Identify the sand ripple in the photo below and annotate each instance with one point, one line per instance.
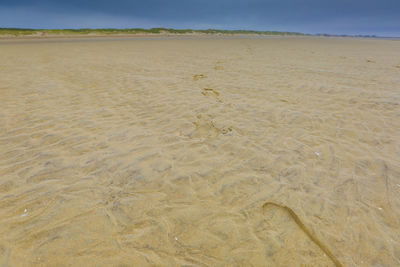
(270, 152)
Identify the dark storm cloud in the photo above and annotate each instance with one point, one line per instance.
(341, 16)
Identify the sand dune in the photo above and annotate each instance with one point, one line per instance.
(224, 152)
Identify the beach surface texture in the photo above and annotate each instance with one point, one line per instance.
(200, 152)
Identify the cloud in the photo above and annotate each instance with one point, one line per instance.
(28, 17)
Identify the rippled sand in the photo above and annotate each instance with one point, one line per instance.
(225, 152)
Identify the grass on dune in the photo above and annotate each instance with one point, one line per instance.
(109, 31)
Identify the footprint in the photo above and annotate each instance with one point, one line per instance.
(218, 65)
(249, 50)
(211, 92)
(205, 127)
(197, 77)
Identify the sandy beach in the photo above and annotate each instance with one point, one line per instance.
(200, 152)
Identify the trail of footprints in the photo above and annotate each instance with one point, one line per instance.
(206, 127)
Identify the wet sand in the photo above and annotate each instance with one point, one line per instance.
(208, 152)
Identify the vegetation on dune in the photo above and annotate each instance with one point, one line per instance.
(22, 32)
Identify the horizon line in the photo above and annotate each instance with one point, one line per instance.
(186, 30)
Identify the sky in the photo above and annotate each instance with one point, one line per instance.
(367, 17)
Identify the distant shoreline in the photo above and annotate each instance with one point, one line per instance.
(18, 33)
(72, 33)
(144, 37)
(88, 38)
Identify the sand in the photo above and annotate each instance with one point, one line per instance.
(207, 152)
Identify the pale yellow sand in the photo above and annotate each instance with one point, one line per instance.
(226, 152)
